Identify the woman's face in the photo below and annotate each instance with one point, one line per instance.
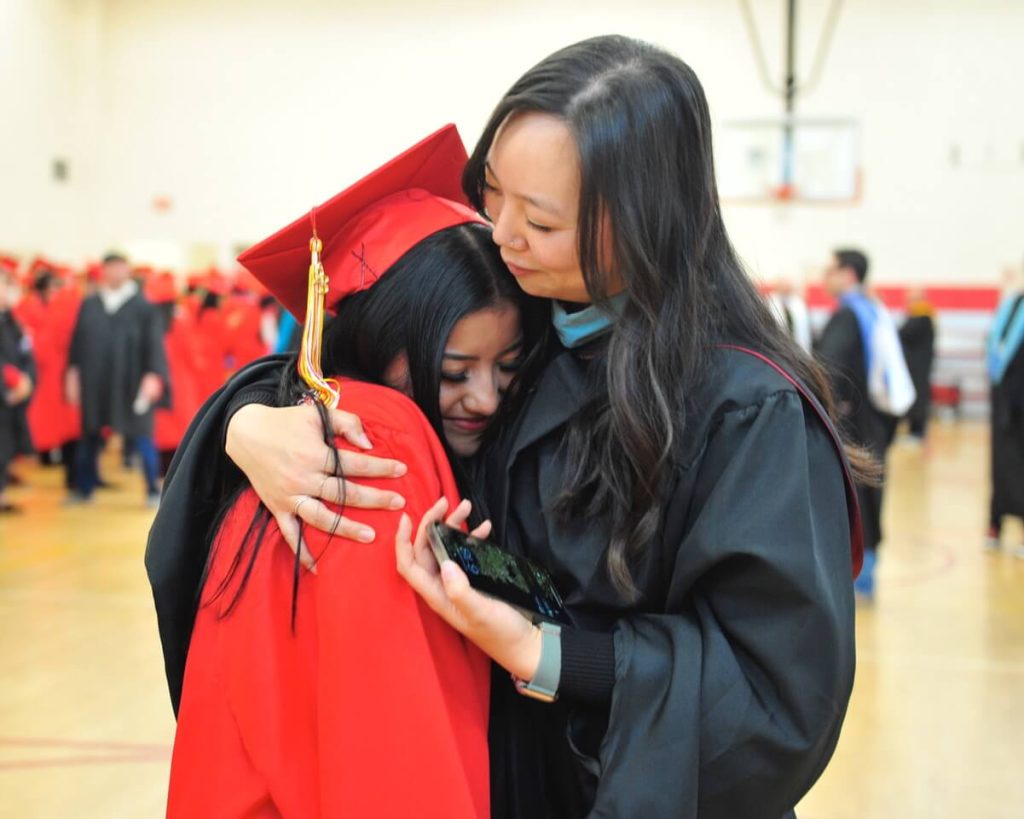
(531, 193)
(481, 357)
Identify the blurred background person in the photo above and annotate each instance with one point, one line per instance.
(1006, 373)
(117, 373)
(185, 362)
(917, 336)
(848, 347)
(48, 313)
(17, 376)
(789, 303)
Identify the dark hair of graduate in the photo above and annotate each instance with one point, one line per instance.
(642, 129)
(855, 260)
(412, 310)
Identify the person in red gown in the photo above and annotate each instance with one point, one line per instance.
(185, 353)
(340, 693)
(48, 312)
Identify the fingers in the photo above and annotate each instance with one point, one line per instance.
(356, 465)
(340, 491)
(456, 584)
(289, 526)
(433, 514)
(460, 514)
(350, 428)
(473, 609)
(483, 531)
(403, 545)
(320, 517)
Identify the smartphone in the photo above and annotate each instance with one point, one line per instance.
(500, 574)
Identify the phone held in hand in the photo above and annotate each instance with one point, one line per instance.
(500, 574)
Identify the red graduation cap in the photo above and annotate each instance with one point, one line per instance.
(369, 226)
(9, 264)
(162, 289)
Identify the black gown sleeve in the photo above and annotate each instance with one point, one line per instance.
(588, 667)
(729, 704)
(199, 480)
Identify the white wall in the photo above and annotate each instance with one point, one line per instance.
(245, 112)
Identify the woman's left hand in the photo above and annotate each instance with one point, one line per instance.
(499, 630)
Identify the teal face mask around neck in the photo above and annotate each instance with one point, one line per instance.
(576, 329)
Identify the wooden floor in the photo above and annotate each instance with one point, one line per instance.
(936, 727)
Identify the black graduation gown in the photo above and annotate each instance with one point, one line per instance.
(917, 336)
(734, 672)
(112, 352)
(14, 350)
(198, 480)
(1008, 436)
(841, 350)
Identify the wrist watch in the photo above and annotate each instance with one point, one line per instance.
(544, 685)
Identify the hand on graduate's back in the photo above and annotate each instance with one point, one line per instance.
(281, 451)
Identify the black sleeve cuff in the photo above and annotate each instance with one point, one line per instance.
(588, 667)
(250, 395)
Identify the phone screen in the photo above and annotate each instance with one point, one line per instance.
(501, 574)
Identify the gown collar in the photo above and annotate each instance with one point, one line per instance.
(579, 328)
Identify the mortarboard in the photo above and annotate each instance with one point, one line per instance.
(9, 264)
(344, 245)
(369, 226)
(161, 288)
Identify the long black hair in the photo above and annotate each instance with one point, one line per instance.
(642, 129)
(411, 309)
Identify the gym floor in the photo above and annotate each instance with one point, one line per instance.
(935, 728)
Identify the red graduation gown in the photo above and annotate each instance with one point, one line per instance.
(374, 707)
(52, 421)
(242, 319)
(185, 355)
(212, 331)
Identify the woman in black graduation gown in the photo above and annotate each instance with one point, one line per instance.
(673, 467)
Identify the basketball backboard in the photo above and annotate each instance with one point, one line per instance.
(799, 160)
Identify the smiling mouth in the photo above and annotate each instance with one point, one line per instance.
(469, 425)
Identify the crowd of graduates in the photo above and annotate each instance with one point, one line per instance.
(211, 323)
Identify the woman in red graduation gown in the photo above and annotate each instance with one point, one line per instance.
(340, 693)
(185, 354)
(48, 313)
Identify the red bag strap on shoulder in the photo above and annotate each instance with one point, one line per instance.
(852, 505)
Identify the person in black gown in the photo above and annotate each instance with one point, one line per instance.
(117, 372)
(917, 336)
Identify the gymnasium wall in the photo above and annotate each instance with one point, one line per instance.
(191, 127)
